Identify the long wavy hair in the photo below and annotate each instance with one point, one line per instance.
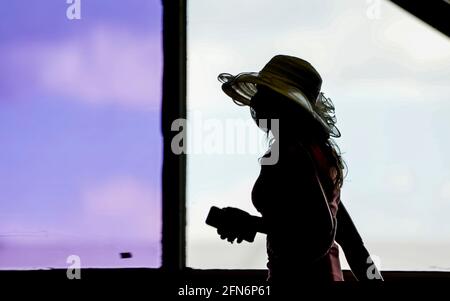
(267, 104)
(334, 156)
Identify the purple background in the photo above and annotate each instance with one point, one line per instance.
(80, 142)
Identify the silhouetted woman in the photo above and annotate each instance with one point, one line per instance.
(298, 189)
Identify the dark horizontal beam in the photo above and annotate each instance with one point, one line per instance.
(158, 276)
(436, 13)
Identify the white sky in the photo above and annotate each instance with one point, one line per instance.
(388, 78)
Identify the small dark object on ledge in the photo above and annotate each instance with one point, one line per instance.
(125, 255)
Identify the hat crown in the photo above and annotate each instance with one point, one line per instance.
(295, 72)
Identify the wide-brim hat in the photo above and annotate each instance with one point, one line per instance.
(290, 76)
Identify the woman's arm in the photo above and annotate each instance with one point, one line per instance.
(357, 256)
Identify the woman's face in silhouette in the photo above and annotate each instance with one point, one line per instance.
(262, 105)
(267, 104)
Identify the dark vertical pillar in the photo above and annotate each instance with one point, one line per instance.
(173, 107)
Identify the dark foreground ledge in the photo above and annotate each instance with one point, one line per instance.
(222, 283)
(198, 275)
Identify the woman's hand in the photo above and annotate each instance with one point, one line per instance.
(237, 225)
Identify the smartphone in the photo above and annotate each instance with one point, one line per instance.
(217, 218)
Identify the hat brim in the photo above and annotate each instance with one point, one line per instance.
(242, 87)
